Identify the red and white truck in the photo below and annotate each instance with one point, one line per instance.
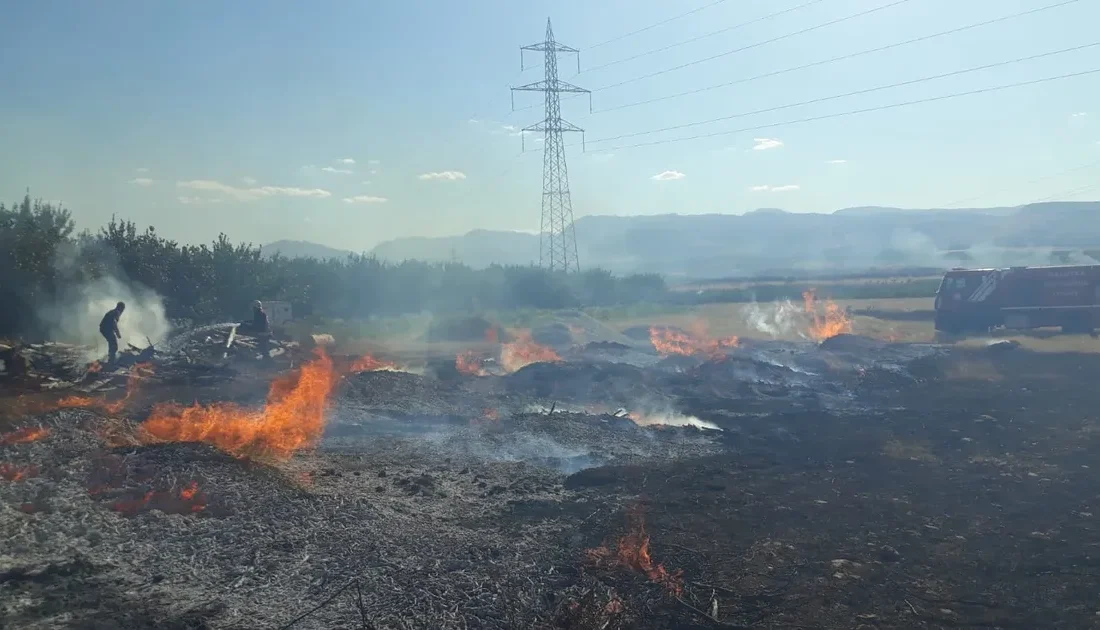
(975, 300)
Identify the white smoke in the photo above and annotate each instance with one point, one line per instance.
(778, 319)
(75, 317)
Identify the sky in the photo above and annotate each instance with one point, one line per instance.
(351, 122)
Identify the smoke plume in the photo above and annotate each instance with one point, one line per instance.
(778, 319)
(75, 317)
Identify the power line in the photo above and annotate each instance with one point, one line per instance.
(756, 45)
(695, 39)
(1044, 178)
(854, 93)
(1065, 193)
(822, 62)
(854, 112)
(661, 23)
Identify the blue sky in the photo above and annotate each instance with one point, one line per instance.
(351, 122)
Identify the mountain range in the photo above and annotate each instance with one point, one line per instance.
(770, 240)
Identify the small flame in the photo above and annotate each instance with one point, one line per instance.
(13, 473)
(470, 363)
(632, 552)
(368, 363)
(189, 501)
(137, 372)
(24, 435)
(834, 321)
(491, 335)
(668, 342)
(523, 351)
(491, 414)
(292, 419)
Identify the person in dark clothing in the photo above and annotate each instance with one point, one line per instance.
(108, 327)
(259, 318)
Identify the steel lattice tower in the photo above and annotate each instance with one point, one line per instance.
(558, 238)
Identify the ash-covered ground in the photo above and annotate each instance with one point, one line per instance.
(848, 484)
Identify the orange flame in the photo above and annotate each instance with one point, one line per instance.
(491, 335)
(368, 363)
(11, 472)
(293, 417)
(834, 321)
(633, 553)
(22, 436)
(669, 342)
(470, 363)
(137, 372)
(190, 501)
(524, 351)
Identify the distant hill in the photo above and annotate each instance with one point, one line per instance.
(773, 241)
(302, 249)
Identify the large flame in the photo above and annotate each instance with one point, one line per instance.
(669, 342)
(523, 351)
(24, 435)
(292, 419)
(632, 552)
(470, 363)
(830, 323)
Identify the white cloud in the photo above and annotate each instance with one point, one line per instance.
(365, 199)
(1079, 114)
(374, 162)
(373, 171)
(450, 176)
(331, 169)
(142, 169)
(251, 181)
(141, 181)
(348, 161)
(767, 188)
(763, 144)
(366, 182)
(195, 201)
(836, 161)
(668, 176)
(253, 193)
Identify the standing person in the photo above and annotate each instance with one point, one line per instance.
(108, 327)
(259, 318)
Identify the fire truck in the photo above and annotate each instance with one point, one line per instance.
(977, 300)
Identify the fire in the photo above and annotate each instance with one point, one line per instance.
(189, 501)
(834, 321)
(633, 553)
(470, 363)
(11, 472)
(524, 351)
(22, 436)
(293, 417)
(491, 335)
(669, 342)
(137, 372)
(368, 363)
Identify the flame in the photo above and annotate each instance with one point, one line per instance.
(633, 553)
(189, 501)
(669, 342)
(491, 414)
(22, 436)
(470, 363)
(368, 363)
(491, 335)
(293, 417)
(11, 472)
(137, 372)
(524, 351)
(834, 321)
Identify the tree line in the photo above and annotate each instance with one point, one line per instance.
(42, 256)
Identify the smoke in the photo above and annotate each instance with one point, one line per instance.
(778, 319)
(74, 314)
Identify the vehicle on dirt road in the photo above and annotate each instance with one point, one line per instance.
(978, 300)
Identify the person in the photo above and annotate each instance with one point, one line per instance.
(108, 327)
(259, 323)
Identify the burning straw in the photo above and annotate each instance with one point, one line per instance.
(632, 552)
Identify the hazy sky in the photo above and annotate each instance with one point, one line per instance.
(351, 122)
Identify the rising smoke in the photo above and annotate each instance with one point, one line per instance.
(74, 315)
(780, 319)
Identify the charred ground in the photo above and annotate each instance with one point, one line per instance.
(853, 484)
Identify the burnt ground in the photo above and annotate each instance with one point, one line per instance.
(853, 485)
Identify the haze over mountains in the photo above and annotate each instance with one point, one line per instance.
(773, 241)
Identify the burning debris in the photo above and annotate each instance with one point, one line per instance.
(523, 351)
(370, 363)
(136, 375)
(632, 552)
(292, 419)
(11, 472)
(24, 435)
(827, 322)
(188, 500)
(670, 342)
(669, 419)
(471, 364)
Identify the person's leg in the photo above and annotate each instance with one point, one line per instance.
(112, 348)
